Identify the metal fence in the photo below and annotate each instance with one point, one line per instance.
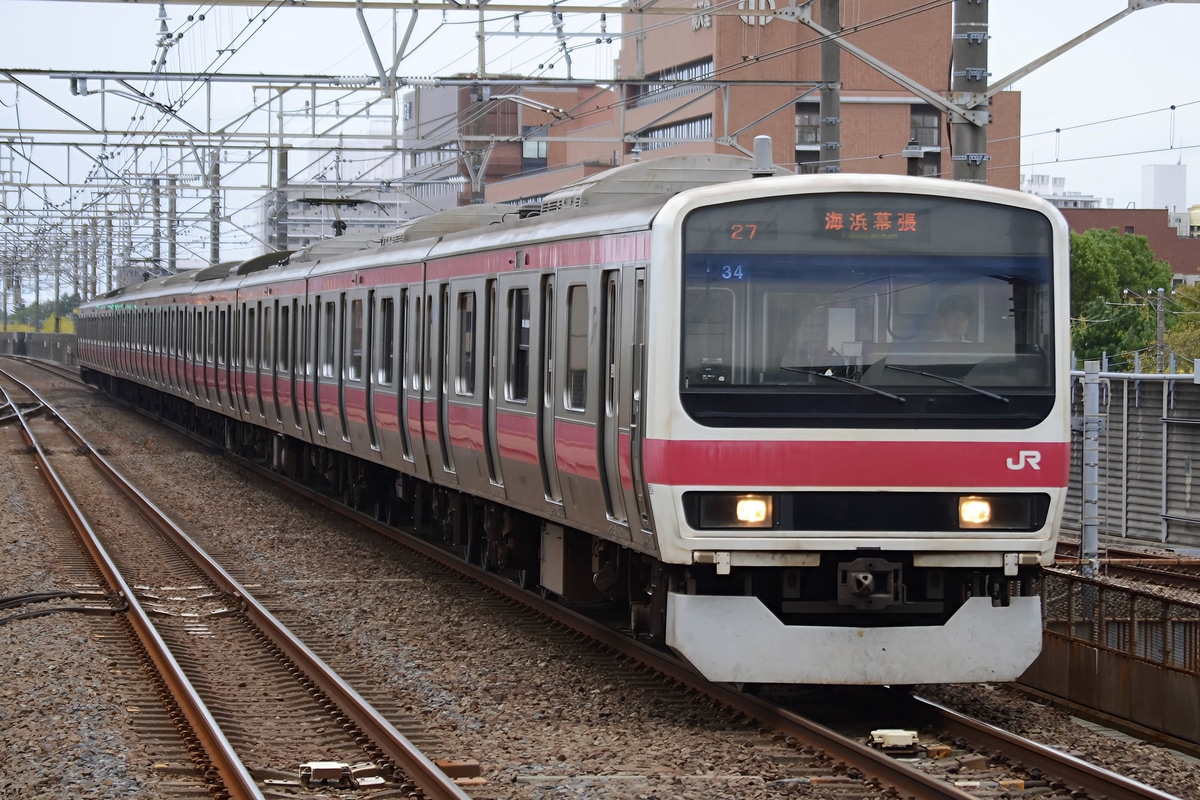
(1124, 653)
(1149, 454)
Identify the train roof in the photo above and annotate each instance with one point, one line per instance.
(631, 194)
(431, 226)
(642, 180)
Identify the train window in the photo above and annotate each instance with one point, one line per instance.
(222, 336)
(267, 339)
(210, 339)
(283, 353)
(387, 333)
(611, 347)
(517, 386)
(464, 383)
(251, 337)
(329, 327)
(575, 395)
(835, 310)
(415, 358)
(546, 343)
(354, 369)
(428, 360)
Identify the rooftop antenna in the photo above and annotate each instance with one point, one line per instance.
(764, 163)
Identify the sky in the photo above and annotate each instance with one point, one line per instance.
(1093, 117)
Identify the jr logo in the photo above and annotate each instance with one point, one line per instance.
(1030, 458)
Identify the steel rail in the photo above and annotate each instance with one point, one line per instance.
(1096, 781)
(234, 774)
(431, 780)
(881, 768)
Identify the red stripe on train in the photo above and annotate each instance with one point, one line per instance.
(865, 464)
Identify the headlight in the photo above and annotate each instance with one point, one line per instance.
(974, 512)
(753, 510)
(737, 511)
(1004, 512)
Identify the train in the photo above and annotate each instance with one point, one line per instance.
(722, 404)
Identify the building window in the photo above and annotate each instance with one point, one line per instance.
(808, 125)
(699, 129)
(808, 162)
(925, 126)
(533, 153)
(674, 82)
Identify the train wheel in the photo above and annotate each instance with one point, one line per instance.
(639, 618)
(474, 536)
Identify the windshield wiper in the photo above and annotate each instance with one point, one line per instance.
(954, 381)
(840, 379)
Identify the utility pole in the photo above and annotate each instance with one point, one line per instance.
(172, 229)
(968, 87)
(156, 229)
(214, 212)
(108, 254)
(57, 289)
(1160, 340)
(831, 88)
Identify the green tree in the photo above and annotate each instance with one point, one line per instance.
(1111, 273)
(1183, 339)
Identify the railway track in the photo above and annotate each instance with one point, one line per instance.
(833, 755)
(260, 709)
(1040, 766)
(1160, 568)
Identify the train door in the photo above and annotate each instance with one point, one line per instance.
(177, 331)
(166, 338)
(516, 418)
(251, 397)
(166, 341)
(406, 374)
(237, 360)
(355, 378)
(551, 487)
(208, 360)
(222, 347)
(611, 408)
(467, 382)
(634, 377)
(197, 353)
(491, 446)
(411, 403)
(314, 363)
(187, 329)
(442, 364)
(348, 370)
(269, 387)
(378, 359)
(291, 357)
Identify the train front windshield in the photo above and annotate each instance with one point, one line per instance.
(867, 310)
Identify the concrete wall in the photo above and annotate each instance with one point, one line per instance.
(58, 347)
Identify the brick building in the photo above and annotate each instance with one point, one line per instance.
(710, 82)
(1182, 253)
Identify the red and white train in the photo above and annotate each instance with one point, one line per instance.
(808, 429)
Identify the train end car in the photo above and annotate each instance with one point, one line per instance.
(857, 438)
(800, 429)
